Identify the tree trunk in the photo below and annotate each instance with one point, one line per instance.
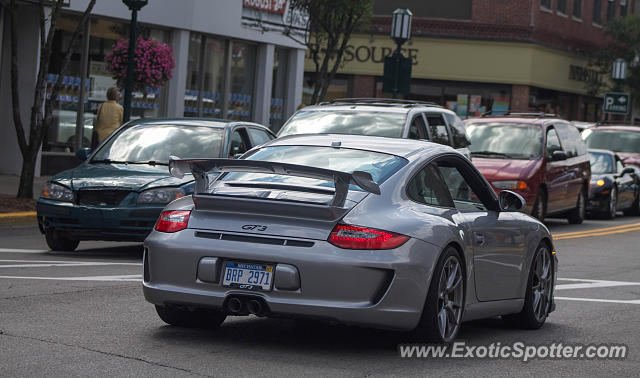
(25, 188)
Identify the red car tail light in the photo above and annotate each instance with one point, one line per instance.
(172, 221)
(352, 237)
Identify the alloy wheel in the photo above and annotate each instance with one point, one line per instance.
(612, 203)
(542, 284)
(450, 297)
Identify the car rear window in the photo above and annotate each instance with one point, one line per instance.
(385, 124)
(380, 166)
(614, 140)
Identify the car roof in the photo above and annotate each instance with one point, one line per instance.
(207, 122)
(377, 105)
(409, 149)
(596, 150)
(617, 128)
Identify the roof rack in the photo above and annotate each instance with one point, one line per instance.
(530, 114)
(380, 101)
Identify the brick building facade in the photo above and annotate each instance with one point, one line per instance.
(489, 55)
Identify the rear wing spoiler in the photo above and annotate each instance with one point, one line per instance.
(341, 180)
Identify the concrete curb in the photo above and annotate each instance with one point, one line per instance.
(19, 218)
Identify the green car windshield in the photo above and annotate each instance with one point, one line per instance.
(380, 166)
(384, 124)
(155, 143)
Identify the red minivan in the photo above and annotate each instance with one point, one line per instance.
(543, 158)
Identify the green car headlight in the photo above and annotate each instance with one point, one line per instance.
(160, 195)
(57, 192)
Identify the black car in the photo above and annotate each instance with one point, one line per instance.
(614, 185)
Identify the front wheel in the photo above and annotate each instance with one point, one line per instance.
(612, 209)
(540, 206)
(442, 313)
(59, 242)
(539, 295)
(576, 216)
(194, 318)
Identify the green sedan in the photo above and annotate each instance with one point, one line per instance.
(119, 190)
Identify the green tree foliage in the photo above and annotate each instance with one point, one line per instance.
(624, 34)
(329, 28)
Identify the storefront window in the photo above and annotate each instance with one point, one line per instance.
(60, 134)
(243, 59)
(213, 85)
(276, 117)
(191, 92)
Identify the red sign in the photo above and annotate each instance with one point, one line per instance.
(271, 6)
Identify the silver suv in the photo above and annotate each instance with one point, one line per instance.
(381, 117)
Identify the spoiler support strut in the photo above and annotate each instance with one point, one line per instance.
(341, 180)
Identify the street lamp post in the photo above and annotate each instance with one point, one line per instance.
(134, 6)
(400, 33)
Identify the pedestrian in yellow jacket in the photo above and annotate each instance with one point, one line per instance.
(109, 115)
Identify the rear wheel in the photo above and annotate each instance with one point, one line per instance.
(540, 206)
(576, 216)
(442, 313)
(612, 208)
(59, 242)
(537, 301)
(195, 318)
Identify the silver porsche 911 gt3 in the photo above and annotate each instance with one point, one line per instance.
(373, 231)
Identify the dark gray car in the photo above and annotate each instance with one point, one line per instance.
(381, 232)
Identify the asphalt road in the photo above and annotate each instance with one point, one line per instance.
(83, 313)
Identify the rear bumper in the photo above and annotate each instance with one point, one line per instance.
(97, 223)
(384, 289)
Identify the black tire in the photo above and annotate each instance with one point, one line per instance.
(531, 316)
(59, 242)
(612, 208)
(577, 215)
(540, 206)
(429, 329)
(196, 318)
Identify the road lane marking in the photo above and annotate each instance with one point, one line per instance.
(630, 301)
(125, 278)
(19, 250)
(57, 263)
(598, 231)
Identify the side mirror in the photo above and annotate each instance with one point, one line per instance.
(510, 201)
(83, 153)
(627, 171)
(559, 155)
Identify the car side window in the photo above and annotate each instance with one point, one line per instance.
(428, 188)
(438, 129)
(238, 142)
(464, 197)
(619, 166)
(457, 130)
(576, 138)
(562, 129)
(553, 143)
(417, 129)
(259, 137)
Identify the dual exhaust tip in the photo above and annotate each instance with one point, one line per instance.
(243, 306)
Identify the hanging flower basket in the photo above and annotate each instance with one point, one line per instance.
(154, 63)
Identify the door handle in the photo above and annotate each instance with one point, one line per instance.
(479, 238)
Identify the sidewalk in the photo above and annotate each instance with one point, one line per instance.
(18, 212)
(9, 185)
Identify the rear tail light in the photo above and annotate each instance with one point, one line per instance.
(172, 221)
(352, 237)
